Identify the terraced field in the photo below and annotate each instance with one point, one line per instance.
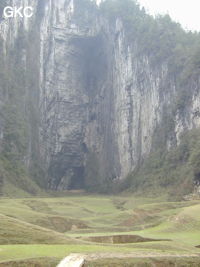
(40, 232)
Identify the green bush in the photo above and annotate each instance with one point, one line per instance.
(171, 171)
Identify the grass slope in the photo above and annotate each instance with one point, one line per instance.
(34, 229)
(14, 231)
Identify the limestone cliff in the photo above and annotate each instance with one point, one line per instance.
(98, 101)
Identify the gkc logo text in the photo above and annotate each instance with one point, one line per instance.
(14, 12)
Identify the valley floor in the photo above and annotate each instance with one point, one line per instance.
(106, 230)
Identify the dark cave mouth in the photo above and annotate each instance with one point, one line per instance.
(67, 170)
(77, 181)
(94, 61)
(64, 177)
(197, 179)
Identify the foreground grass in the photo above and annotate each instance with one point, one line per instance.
(52, 228)
(94, 212)
(14, 231)
(149, 262)
(33, 262)
(20, 252)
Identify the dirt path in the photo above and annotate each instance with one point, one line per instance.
(77, 260)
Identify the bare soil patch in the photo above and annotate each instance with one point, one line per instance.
(121, 239)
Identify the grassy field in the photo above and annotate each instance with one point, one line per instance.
(42, 231)
(166, 262)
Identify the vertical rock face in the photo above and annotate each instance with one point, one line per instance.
(76, 95)
(99, 101)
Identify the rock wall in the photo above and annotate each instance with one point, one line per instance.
(100, 101)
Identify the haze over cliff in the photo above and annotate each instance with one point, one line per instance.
(89, 94)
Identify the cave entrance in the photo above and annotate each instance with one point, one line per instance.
(197, 179)
(77, 181)
(88, 61)
(93, 61)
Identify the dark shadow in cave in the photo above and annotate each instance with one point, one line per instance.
(88, 57)
(77, 181)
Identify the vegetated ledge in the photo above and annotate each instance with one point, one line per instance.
(122, 239)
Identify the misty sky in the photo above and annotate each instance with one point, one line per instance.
(186, 12)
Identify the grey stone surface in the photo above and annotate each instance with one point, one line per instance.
(97, 96)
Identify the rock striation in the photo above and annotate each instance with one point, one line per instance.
(99, 102)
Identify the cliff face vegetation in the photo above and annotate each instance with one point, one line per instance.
(100, 98)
